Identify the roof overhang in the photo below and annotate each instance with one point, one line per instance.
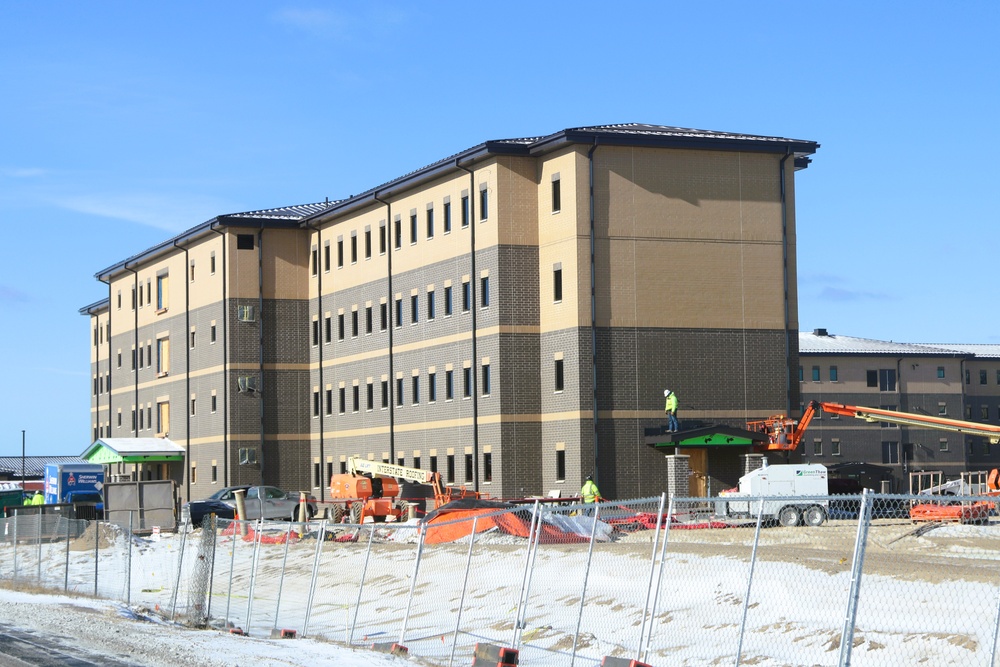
(133, 450)
(708, 436)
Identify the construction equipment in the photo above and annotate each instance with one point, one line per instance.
(358, 496)
(792, 495)
(784, 433)
(944, 509)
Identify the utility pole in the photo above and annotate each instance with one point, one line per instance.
(22, 461)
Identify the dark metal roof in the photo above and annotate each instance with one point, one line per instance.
(625, 134)
(34, 466)
(284, 216)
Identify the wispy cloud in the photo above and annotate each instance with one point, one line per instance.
(172, 214)
(317, 22)
(22, 172)
(846, 295)
(12, 295)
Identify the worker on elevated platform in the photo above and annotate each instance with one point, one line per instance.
(671, 410)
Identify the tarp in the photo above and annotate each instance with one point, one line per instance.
(453, 521)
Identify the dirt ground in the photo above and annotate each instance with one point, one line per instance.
(930, 552)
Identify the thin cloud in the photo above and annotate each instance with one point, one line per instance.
(22, 172)
(158, 211)
(848, 295)
(12, 295)
(319, 22)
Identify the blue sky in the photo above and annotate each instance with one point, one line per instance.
(123, 123)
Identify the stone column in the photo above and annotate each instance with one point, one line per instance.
(751, 462)
(678, 475)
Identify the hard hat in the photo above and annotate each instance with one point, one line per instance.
(590, 478)
(666, 392)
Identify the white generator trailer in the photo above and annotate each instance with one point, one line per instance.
(792, 495)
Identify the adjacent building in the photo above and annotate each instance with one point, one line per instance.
(956, 381)
(508, 316)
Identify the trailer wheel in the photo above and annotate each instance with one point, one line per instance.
(789, 516)
(814, 516)
(336, 513)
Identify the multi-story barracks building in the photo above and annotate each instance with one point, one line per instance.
(508, 316)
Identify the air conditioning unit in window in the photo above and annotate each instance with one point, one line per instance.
(247, 384)
(248, 456)
(246, 314)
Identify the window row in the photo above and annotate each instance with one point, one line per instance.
(983, 376)
(419, 225)
(402, 312)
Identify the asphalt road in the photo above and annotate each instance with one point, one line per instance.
(19, 648)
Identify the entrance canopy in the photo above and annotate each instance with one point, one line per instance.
(133, 450)
(715, 435)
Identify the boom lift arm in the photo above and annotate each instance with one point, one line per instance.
(442, 493)
(785, 434)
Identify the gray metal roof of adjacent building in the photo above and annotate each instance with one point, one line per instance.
(820, 342)
(34, 466)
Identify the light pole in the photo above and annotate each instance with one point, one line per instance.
(23, 487)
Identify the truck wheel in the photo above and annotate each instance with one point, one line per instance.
(336, 513)
(814, 516)
(789, 516)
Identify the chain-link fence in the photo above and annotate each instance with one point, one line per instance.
(852, 580)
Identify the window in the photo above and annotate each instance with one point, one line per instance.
(211, 334)
(488, 467)
(942, 409)
(398, 224)
(413, 228)
(368, 244)
(884, 379)
(414, 304)
(982, 376)
(385, 394)
(560, 465)
(559, 379)
(354, 324)
(430, 223)
(434, 463)
(484, 204)
(801, 376)
(354, 248)
(815, 373)
(940, 372)
(384, 315)
(370, 396)
(486, 379)
(340, 326)
(194, 474)
(120, 292)
(355, 398)
(329, 401)
(326, 257)
(211, 263)
(342, 399)
(327, 329)
(967, 380)
(484, 291)
(557, 292)
(968, 412)
(192, 338)
(887, 424)
(340, 253)
(998, 377)
(315, 333)
(415, 387)
(315, 403)
(872, 378)
(556, 195)
(468, 468)
(467, 382)
(431, 387)
(119, 358)
(368, 319)
(381, 239)
(466, 214)
(451, 469)
(162, 295)
(835, 447)
(162, 356)
(817, 448)
(399, 392)
(133, 358)
(399, 312)
(416, 461)
(194, 409)
(984, 412)
(833, 373)
(943, 445)
(163, 417)
(133, 297)
(244, 241)
(466, 296)
(446, 215)
(890, 452)
(449, 385)
(214, 402)
(140, 305)
(447, 301)
(141, 421)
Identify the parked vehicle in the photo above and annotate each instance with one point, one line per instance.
(266, 502)
(80, 484)
(794, 493)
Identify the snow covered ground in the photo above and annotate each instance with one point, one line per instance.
(926, 597)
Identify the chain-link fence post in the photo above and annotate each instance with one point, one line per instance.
(237, 531)
(534, 533)
(128, 569)
(177, 579)
(652, 573)
(38, 537)
(465, 584)
(586, 575)
(746, 594)
(281, 577)
(254, 562)
(15, 548)
(659, 577)
(97, 553)
(320, 539)
(361, 583)
(864, 523)
(66, 569)
(996, 628)
(413, 585)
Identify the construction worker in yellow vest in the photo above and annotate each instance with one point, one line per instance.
(671, 410)
(38, 498)
(589, 492)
